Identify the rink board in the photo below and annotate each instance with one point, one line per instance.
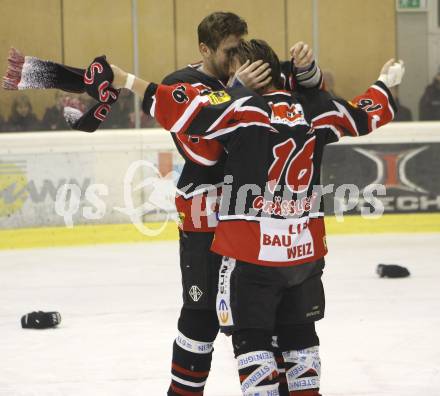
(125, 233)
(35, 167)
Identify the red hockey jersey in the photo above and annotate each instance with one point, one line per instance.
(270, 213)
(199, 185)
(204, 163)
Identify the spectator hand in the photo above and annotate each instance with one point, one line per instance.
(392, 73)
(302, 55)
(254, 75)
(120, 77)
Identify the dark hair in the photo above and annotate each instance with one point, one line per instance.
(21, 99)
(219, 25)
(254, 50)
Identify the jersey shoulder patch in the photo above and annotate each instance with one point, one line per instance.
(218, 97)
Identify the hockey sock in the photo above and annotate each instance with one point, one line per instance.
(258, 373)
(257, 368)
(190, 367)
(192, 352)
(283, 389)
(303, 371)
(300, 346)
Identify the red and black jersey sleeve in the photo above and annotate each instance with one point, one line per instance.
(181, 108)
(194, 149)
(360, 116)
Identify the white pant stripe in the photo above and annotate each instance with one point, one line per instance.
(224, 312)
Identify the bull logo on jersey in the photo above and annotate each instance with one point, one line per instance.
(391, 167)
(287, 114)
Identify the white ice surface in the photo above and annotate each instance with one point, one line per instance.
(119, 305)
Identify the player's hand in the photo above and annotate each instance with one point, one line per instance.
(254, 75)
(302, 55)
(392, 73)
(120, 77)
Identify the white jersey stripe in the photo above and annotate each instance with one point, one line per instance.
(259, 219)
(253, 109)
(278, 93)
(231, 108)
(196, 157)
(390, 108)
(324, 115)
(225, 131)
(332, 128)
(178, 125)
(207, 188)
(343, 111)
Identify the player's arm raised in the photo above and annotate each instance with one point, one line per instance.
(365, 112)
(306, 72)
(301, 71)
(169, 104)
(180, 108)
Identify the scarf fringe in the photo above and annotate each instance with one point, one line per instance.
(29, 72)
(14, 71)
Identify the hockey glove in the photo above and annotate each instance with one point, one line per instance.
(40, 320)
(392, 271)
(392, 73)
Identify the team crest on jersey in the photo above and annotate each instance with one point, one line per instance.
(218, 97)
(287, 114)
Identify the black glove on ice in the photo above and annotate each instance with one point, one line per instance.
(391, 271)
(40, 320)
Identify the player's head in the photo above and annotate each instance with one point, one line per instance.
(219, 35)
(254, 50)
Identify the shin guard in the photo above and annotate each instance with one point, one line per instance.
(192, 352)
(258, 374)
(303, 371)
(283, 389)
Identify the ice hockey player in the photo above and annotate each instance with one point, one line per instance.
(270, 234)
(199, 187)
